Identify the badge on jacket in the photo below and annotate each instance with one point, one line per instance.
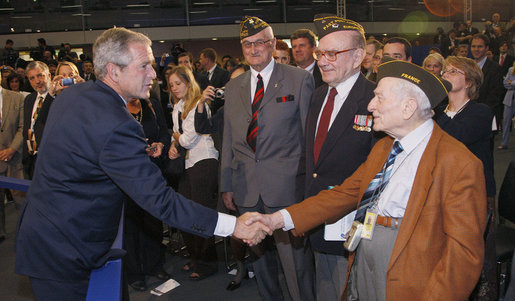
(363, 123)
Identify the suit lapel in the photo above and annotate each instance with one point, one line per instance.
(420, 189)
(245, 97)
(6, 103)
(274, 85)
(311, 123)
(343, 120)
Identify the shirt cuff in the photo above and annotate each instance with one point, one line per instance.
(225, 225)
(288, 222)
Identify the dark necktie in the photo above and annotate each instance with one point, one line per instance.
(378, 184)
(253, 126)
(323, 124)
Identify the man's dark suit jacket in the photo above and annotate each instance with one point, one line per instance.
(446, 43)
(219, 78)
(91, 77)
(492, 90)
(508, 62)
(472, 127)
(91, 159)
(39, 125)
(317, 76)
(343, 151)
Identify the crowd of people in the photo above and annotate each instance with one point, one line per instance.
(263, 132)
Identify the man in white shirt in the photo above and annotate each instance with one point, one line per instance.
(303, 43)
(423, 200)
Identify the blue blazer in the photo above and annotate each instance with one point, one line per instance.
(92, 157)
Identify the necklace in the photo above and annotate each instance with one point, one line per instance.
(446, 111)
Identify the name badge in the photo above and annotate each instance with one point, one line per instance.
(369, 225)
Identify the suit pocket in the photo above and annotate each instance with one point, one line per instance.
(286, 98)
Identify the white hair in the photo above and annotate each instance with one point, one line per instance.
(404, 88)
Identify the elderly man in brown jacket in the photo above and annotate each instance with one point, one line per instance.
(425, 198)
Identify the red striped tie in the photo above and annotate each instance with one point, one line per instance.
(323, 124)
(253, 126)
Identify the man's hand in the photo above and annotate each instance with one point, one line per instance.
(7, 154)
(273, 221)
(250, 229)
(227, 197)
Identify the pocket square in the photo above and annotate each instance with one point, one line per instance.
(285, 98)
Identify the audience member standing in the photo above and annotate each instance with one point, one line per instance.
(264, 119)
(338, 122)
(491, 91)
(87, 69)
(36, 108)
(509, 107)
(11, 145)
(504, 59)
(303, 43)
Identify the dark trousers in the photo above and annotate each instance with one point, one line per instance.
(29, 163)
(143, 236)
(199, 184)
(53, 290)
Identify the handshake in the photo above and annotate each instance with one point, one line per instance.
(252, 227)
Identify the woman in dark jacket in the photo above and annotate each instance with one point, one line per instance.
(143, 233)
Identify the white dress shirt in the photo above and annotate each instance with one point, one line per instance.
(200, 147)
(210, 72)
(343, 89)
(310, 67)
(266, 73)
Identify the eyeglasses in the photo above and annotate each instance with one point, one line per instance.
(453, 72)
(258, 43)
(329, 55)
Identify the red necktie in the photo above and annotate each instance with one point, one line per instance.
(323, 125)
(502, 60)
(253, 126)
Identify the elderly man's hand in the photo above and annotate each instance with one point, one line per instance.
(250, 229)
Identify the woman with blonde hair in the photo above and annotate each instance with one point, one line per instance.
(66, 75)
(434, 63)
(470, 122)
(199, 181)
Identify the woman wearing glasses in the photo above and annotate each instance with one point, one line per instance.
(471, 123)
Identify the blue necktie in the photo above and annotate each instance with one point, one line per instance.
(378, 184)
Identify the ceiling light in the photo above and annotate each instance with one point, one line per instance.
(6, 9)
(198, 12)
(71, 6)
(21, 17)
(252, 9)
(138, 5)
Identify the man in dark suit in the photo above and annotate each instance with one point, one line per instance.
(492, 90)
(92, 157)
(186, 59)
(449, 43)
(216, 75)
(303, 43)
(264, 119)
(504, 59)
(11, 145)
(87, 68)
(336, 124)
(36, 108)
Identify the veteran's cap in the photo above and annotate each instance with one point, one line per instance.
(328, 23)
(250, 26)
(436, 89)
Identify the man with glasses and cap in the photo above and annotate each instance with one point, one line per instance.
(265, 113)
(338, 123)
(420, 199)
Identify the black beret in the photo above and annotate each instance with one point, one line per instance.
(435, 88)
(250, 26)
(328, 23)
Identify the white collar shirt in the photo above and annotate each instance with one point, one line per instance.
(266, 73)
(394, 199)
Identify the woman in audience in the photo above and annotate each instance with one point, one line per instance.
(199, 181)
(66, 75)
(434, 63)
(15, 82)
(471, 123)
(509, 107)
(281, 53)
(143, 232)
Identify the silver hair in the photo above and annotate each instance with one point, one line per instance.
(404, 88)
(113, 47)
(37, 64)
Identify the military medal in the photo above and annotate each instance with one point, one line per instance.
(363, 123)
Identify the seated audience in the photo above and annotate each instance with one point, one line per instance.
(434, 63)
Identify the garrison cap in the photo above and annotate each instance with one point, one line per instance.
(436, 89)
(250, 26)
(328, 23)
